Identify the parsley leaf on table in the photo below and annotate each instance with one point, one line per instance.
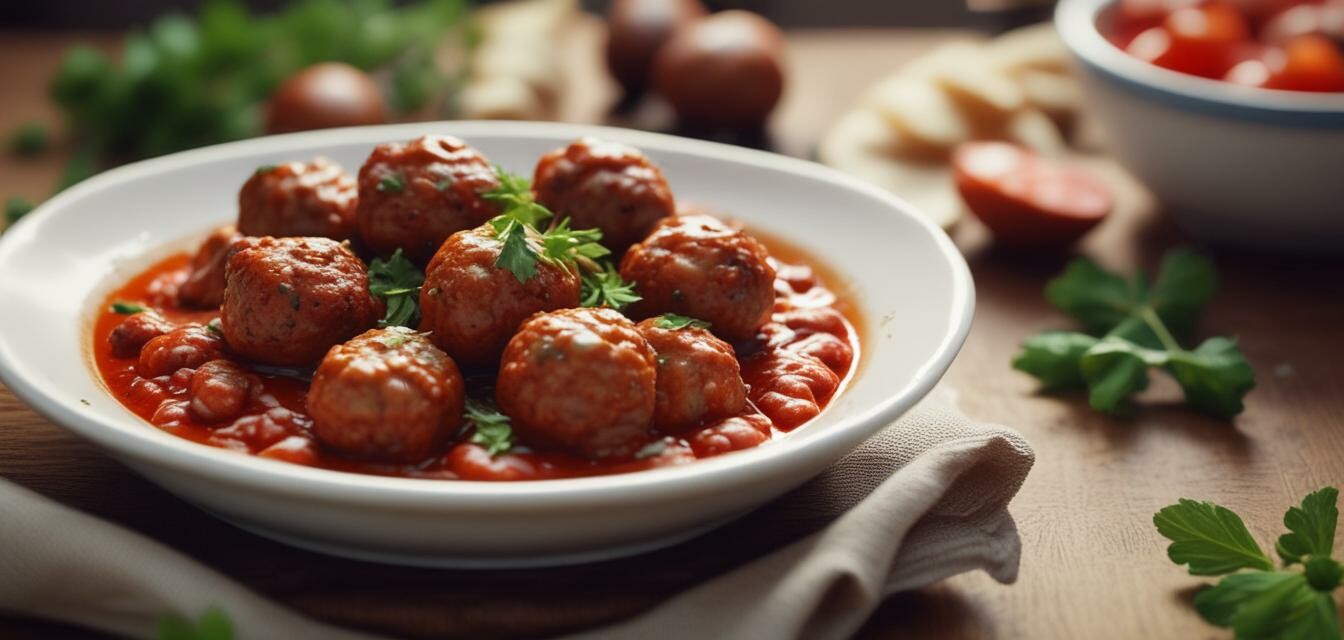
(1258, 601)
(1134, 327)
(494, 431)
(397, 281)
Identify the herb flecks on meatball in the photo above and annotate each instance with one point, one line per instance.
(288, 300)
(604, 185)
(581, 380)
(296, 199)
(471, 307)
(388, 394)
(413, 195)
(698, 266)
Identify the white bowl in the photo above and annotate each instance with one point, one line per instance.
(915, 291)
(1232, 164)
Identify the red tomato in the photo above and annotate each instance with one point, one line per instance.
(1026, 201)
(1311, 63)
(1204, 39)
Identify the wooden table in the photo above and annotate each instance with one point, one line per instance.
(1092, 565)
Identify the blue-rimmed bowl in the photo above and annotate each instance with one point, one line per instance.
(1232, 164)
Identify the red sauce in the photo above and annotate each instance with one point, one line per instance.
(809, 317)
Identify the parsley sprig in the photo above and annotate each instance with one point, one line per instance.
(531, 233)
(677, 322)
(213, 624)
(1133, 326)
(1255, 599)
(397, 281)
(493, 429)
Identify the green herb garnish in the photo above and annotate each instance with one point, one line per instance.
(28, 139)
(213, 624)
(1133, 327)
(392, 183)
(397, 281)
(525, 242)
(264, 169)
(216, 327)
(493, 429)
(127, 308)
(676, 322)
(17, 207)
(1257, 600)
(606, 288)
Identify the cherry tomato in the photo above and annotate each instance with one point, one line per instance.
(1311, 63)
(1026, 201)
(1204, 39)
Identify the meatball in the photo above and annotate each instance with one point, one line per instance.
(219, 391)
(128, 337)
(388, 394)
(186, 347)
(605, 185)
(414, 195)
(698, 376)
(204, 286)
(580, 379)
(471, 307)
(296, 199)
(288, 300)
(698, 266)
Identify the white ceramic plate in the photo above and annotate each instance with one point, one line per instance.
(914, 289)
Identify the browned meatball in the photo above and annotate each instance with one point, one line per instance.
(128, 337)
(388, 394)
(605, 185)
(204, 286)
(219, 391)
(698, 376)
(471, 307)
(288, 300)
(581, 379)
(414, 195)
(297, 199)
(698, 266)
(186, 347)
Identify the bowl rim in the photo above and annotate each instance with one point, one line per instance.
(274, 476)
(1077, 24)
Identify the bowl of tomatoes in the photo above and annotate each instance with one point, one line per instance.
(1232, 113)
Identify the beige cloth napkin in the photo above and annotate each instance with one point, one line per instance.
(922, 500)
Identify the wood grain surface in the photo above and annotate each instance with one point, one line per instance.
(1092, 565)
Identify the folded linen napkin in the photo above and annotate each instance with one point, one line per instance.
(922, 500)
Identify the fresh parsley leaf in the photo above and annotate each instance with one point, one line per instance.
(606, 288)
(17, 207)
(1209, 538)
(264, 169)
(516, 253)
(562, 244)
(1097, 298)
(493, 429)
(392, 183)
(1312, 525)
(1261, 602)
(1139, 329)
(514, 195)
(28, 139)
(1186, 282)
(677, 322)
(1054, 358)
(213, 624)
(397, 281)
(126, 308)
(1214, 376)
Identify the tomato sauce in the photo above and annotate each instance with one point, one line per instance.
(809, 317)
